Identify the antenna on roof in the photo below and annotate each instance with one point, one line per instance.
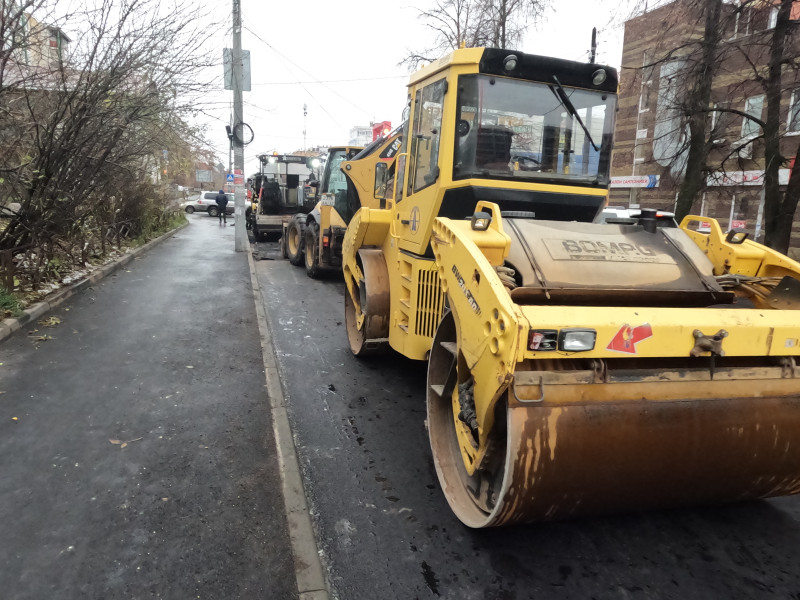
(594, 45)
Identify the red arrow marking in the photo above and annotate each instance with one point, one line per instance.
(627, 337)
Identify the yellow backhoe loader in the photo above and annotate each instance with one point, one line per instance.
(352, 178)
(573, 367)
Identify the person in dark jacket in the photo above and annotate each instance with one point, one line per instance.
(222, 201)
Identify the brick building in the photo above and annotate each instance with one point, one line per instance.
(660, 48)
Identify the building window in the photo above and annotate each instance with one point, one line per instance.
(773, 18)
(793, 120)
(753, 106)
(719, 122)
(640, 151)
(646, 96)
(753, 18)
(646, 99)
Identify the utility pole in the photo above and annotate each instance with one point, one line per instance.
(240, 237)
(305, 112)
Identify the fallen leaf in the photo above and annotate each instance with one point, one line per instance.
(123, 444)
(14, 419)
(164, 499)
(189, 367)
(115, 441)
(50, 321)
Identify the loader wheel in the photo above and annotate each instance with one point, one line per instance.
(312, 250)
(294, 241)
(472, 497)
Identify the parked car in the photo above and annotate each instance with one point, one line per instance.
(621, 216)
(205, 203)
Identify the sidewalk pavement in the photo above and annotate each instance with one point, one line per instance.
(137, 454)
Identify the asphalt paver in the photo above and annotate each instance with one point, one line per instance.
(137, 458)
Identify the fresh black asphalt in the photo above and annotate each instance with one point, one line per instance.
(136, 449)
(387, 532)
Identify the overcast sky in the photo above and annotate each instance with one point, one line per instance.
(340, 59)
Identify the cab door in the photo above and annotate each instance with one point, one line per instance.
(417, 204)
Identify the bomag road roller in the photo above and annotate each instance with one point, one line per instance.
(352, 178)
(573, 368)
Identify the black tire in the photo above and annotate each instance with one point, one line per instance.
(213, 211)
(189, 209)
(284, 252)
(312, 250)
(295, 241)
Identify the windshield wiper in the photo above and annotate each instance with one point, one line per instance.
(561, 94)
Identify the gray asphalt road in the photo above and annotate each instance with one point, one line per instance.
(165, 356)
(387, 532)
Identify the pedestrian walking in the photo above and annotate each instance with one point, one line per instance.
(222, 201)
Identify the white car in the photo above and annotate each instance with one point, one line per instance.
(205, 202)
(619, 214)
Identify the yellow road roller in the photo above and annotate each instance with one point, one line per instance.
(574, 367)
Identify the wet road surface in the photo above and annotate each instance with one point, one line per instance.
(386, 530)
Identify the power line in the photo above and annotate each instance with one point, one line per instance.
(324, 81)
(303, 86)
(287, 59)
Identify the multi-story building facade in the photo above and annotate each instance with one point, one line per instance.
(38, 45)
(360, 135)
(660, 48)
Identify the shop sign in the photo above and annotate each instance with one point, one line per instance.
(636, 181)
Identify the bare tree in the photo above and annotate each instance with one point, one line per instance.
(696, 100)
(82, 133)
(509, 20)
(736, 43)
(779, 209)
(474, 23)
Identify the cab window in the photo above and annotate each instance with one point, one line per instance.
(427, 133)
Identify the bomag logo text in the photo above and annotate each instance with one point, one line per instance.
(619, 250)
(611, 248)
(467, 294)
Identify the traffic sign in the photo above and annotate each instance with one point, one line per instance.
(229, 178)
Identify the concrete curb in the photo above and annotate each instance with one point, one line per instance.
(36, 311)
(309, 573)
